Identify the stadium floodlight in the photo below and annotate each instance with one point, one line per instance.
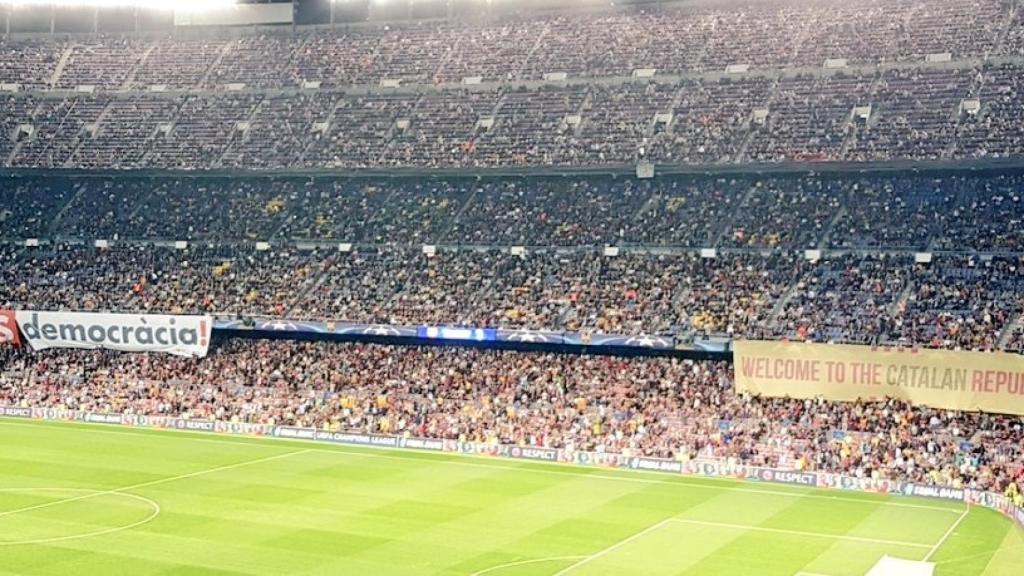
(168, 5)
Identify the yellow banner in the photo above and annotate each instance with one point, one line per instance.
(988, 381)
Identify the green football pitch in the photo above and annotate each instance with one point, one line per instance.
(79, 499)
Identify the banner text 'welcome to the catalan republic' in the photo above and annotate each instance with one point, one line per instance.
(989, 381)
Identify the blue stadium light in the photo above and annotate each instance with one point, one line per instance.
(453, 333)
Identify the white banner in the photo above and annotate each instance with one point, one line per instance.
(178, 335)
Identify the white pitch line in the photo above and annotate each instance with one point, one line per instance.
(993, 557)
(946, 536)
(797, 533)
(101, 532)
(989, 563)
(500, 567)
(744, 527)
(612, 548)
(705, 483)
(993, 553)
(152, 483)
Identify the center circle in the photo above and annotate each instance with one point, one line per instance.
(47, 515)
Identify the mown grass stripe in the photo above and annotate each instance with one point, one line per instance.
(803, 533)
(366, 511)
(150, 483)
(639, 477)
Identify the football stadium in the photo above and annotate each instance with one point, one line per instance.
(512, 287)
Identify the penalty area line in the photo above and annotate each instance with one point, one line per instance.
(993, 553)
(612, 548)
(605, 551)
(798, 533)
(948, 533)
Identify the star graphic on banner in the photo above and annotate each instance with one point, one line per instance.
(645, 341)
(527, 337)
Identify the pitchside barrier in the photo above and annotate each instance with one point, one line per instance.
(315, 329)
(702, 468)
(190, 335)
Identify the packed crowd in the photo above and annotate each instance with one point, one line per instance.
(657, 407)
(206, 280)
(865, 285)
(958, 302)
(641, 294)
(909, 212)
(916, 114)
(965, 303)
(199, 103)
(673, 39)
(991, 132)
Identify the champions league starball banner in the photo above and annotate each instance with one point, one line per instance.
(450, 333)
(178, 335)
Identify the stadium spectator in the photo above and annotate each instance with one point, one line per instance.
(657, 407)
